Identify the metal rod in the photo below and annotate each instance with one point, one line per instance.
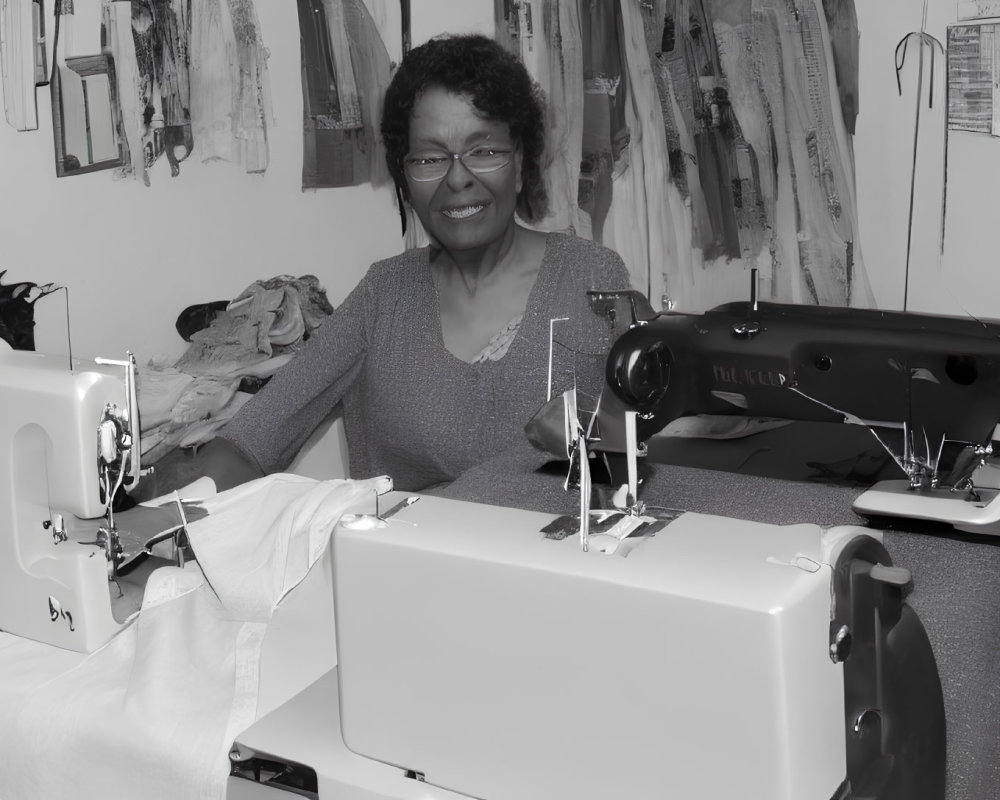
(69, 330)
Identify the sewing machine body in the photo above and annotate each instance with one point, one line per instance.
(479, 658)
(928, 387)
(814, 363)
(54, 578)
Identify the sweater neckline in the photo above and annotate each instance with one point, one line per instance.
(529, 318)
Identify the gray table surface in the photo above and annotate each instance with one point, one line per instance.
(956, 580)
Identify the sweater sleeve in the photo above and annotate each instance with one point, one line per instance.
(273, 426)
(607, 272)
(590, 333)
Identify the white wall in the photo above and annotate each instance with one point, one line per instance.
(965, 278)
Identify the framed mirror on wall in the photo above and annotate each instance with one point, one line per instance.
(85, 115)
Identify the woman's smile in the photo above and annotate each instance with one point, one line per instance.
(463, 212)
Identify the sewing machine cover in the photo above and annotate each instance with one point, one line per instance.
(498, 663)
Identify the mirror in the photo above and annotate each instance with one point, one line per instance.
(85, 115)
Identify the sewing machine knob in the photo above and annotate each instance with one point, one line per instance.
(747, 329)
(641, 375)
(840, 648)
(861, 721)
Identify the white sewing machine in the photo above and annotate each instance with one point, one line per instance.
(69, 436)
(480, 657)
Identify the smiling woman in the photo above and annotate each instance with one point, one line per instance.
(441, 354)
(464, 134)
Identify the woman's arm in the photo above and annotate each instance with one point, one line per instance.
(590, 333)
(271, 428)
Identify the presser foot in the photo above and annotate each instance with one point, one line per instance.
(969, 509)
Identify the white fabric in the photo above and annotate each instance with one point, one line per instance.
(153, 713)
(282, 524)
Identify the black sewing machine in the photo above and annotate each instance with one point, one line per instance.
(926, 387)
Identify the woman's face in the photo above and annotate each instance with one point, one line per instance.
(462, 210)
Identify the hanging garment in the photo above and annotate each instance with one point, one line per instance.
(716, 137)
(230, 89)
(345, 71)
(760, 149)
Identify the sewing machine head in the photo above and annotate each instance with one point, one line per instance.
(70, 438)
(928, 387)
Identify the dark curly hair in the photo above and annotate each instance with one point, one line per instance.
(500, 88)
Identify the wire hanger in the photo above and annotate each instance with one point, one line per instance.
(926, 44)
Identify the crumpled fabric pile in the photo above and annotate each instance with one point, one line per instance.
(184, 403)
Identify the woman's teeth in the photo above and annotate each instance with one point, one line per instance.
(463, 212)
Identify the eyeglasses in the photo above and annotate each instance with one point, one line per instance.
(433, 166)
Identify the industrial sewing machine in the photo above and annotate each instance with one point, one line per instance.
(927, 387)
(69, 435)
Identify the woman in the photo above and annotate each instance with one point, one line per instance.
(440, 355)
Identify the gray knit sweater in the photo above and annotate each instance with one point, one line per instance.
(412, 410)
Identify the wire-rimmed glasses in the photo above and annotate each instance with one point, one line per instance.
(433, 165)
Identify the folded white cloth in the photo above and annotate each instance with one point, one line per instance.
(259, 539)
(152, 714)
